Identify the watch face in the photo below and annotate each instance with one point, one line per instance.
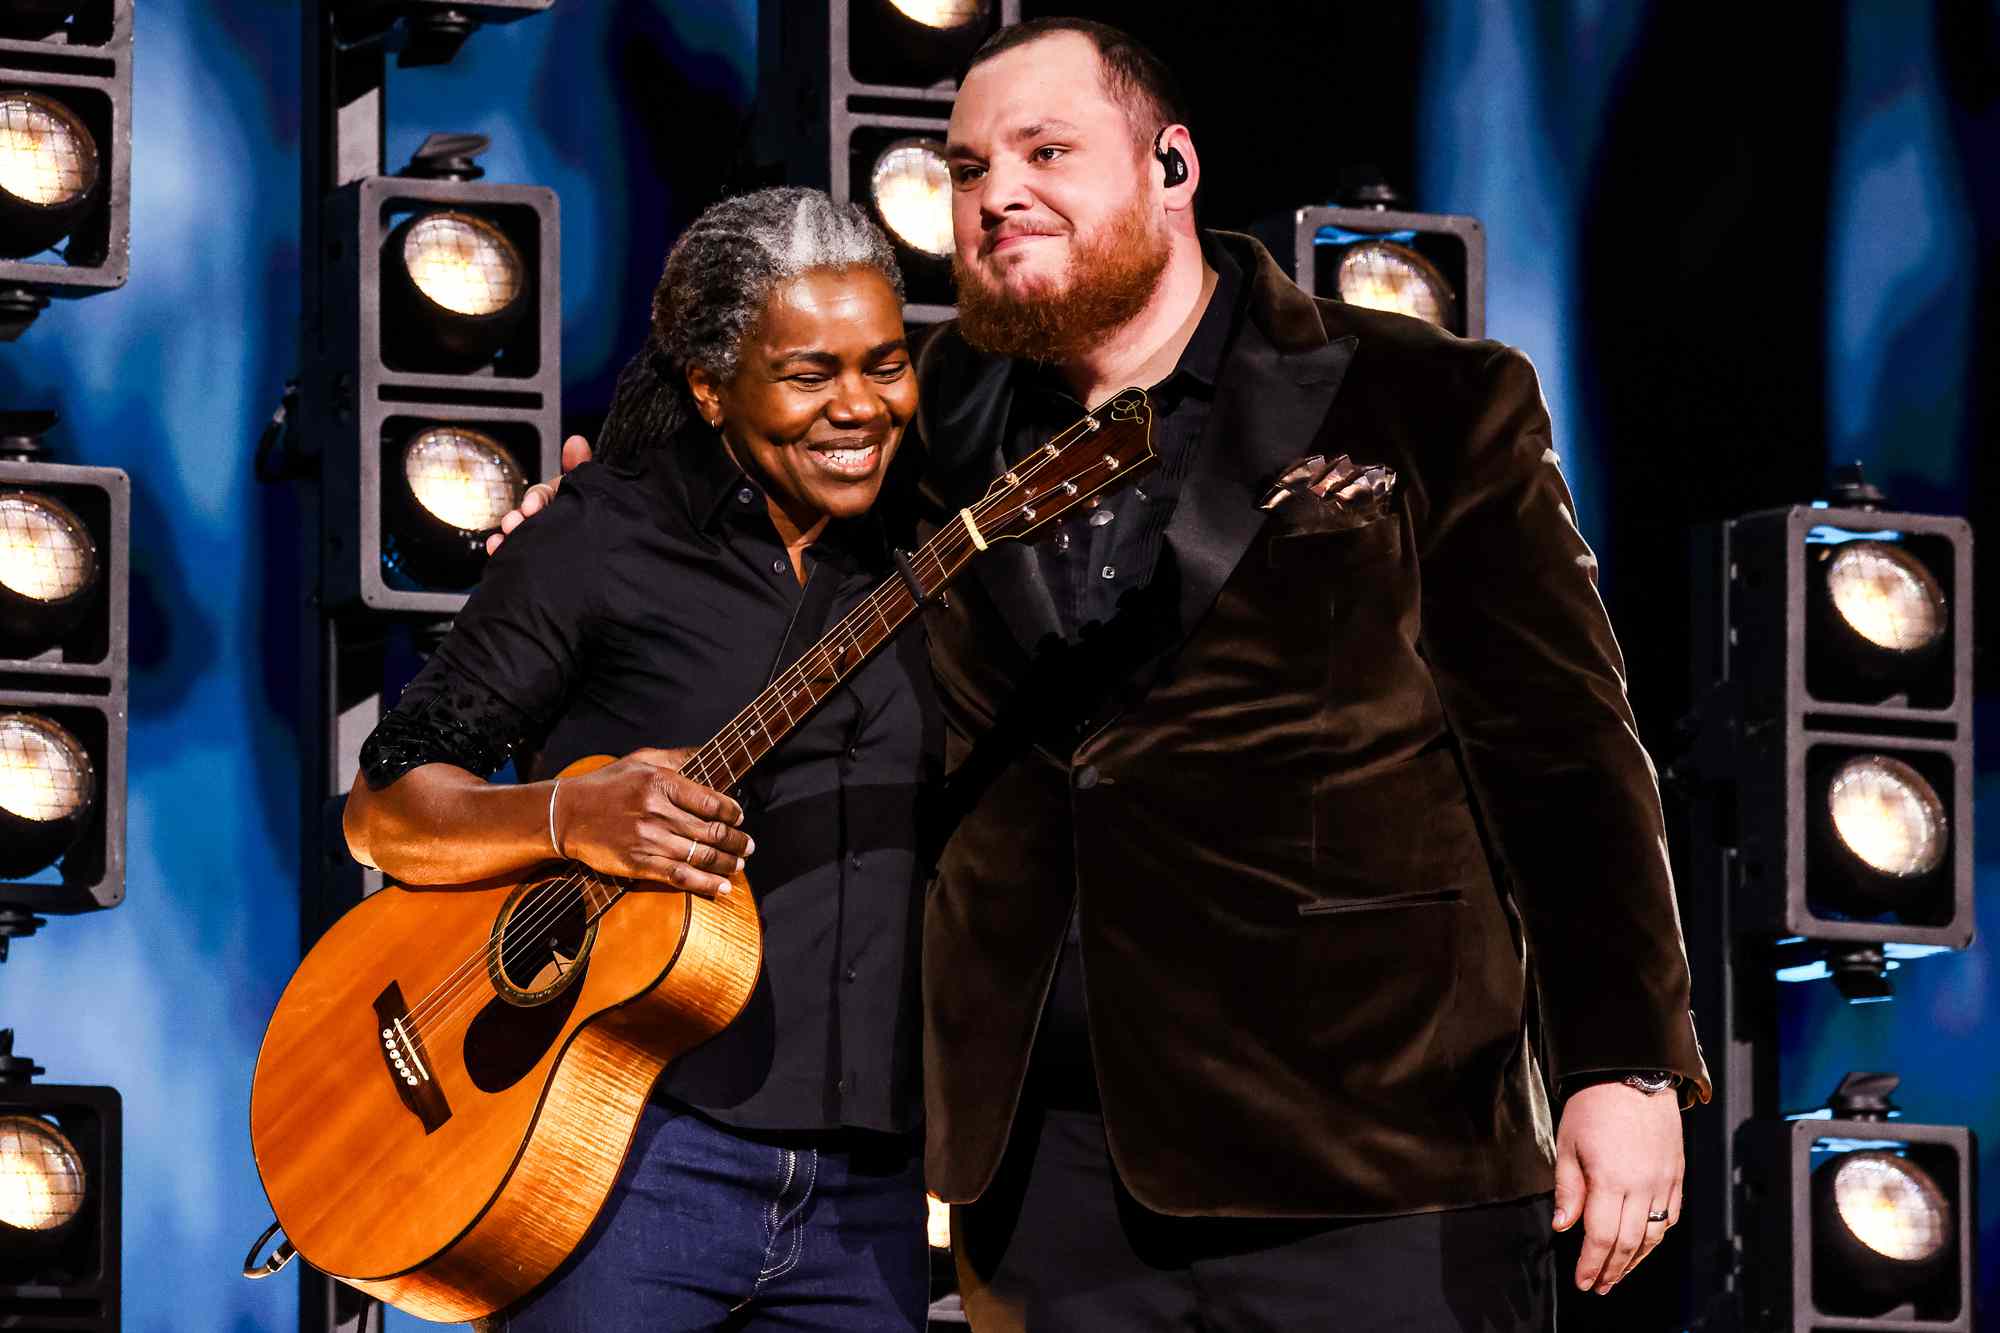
(1654, 1081)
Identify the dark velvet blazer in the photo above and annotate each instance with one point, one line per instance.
(1336, 803)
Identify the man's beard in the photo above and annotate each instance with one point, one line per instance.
(1111, 276)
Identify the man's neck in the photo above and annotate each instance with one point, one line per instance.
(1144, 350)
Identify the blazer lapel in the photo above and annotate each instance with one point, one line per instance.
(1270, 407)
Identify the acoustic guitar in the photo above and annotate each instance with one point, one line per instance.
(451, 1081)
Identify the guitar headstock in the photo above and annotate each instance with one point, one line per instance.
(1106, 449)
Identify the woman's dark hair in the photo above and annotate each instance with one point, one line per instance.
(717, 280)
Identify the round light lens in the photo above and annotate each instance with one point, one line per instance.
(47, 156)
(1891, 1205)
(941, 13)
(41, 1175)
(463, 263)
(46, 554)
(911, 187)
(1382, 275)
(45, 774)
(462, 478)
(1887, 814)
(1886, 595)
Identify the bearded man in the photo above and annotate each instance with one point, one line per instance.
(1302, 827)
(1302, 834)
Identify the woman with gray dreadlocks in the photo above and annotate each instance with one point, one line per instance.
(776, 1178)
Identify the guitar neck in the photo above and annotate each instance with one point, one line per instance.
(788, 700)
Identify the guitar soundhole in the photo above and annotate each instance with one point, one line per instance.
(540, 943)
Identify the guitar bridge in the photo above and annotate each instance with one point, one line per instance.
(406, 1060)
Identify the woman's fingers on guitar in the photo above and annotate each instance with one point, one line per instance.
(667, 872)
(695, 806)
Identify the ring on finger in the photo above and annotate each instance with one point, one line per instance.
(1657, 1215)
(693, 847)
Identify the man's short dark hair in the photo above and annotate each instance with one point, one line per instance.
(1137, 80)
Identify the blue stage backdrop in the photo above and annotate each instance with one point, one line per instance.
(628, 110)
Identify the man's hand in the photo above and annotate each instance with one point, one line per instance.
(1618, 1157)
(641, 817)
(575, 453)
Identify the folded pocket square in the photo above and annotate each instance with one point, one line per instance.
(1351, 495)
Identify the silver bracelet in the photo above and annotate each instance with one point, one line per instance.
(553, 844)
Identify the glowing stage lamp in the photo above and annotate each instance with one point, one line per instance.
(1881, 620)
(47, 789)
(915, 42)
(454, 486)
(42, 1180)
(1881, 1227)
(454, 286)
(49, 571)
(944, 13)
(1382, 275)
(49, 171)
(910, 187)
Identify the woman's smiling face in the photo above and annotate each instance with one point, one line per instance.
(822, 392)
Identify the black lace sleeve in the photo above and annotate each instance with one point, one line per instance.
(444, 719)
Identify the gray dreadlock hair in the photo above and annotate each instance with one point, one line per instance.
(717, 279)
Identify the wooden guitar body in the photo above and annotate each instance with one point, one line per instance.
(454, 1195)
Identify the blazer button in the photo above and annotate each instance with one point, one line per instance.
(1086, 777)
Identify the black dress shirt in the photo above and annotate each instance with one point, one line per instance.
(646, 607)
(1098, 558)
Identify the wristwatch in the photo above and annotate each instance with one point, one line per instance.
(1652, 1082)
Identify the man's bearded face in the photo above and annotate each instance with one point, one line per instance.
(1058, 237)
(1107, 278)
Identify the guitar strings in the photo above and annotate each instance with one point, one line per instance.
(446, 999)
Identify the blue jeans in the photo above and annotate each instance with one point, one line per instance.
(713, 1228)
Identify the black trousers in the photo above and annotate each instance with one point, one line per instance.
(1056, 1244)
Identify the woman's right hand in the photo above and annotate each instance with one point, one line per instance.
(641, 817)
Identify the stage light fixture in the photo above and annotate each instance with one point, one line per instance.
(424, 32)
(456, 486)
(42, 1179)
(59, 1201)
(47, 787)
(65, 153)
(49, 571)
(1429, 266)
(1856, 1218)
(944, 13)
(439, 386)
(1382, 275)
(48, 171)
(1837, 727)
(910, 186)
(63, 593)
(455, 287)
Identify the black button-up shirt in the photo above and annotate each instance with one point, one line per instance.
(1098, 555)
(1093, 561)
(646, 607)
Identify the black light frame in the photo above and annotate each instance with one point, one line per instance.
(1777, 1193)
(1785, 731)
(74, 1286)
(1452, 242)
(365, 407)
(88, 66)
(82, 683)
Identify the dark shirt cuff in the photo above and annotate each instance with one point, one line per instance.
(459, 722)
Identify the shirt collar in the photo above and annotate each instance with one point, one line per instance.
(1202, 358)
(718, 490)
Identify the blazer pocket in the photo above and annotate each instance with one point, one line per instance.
(1329, 546)
(1429, 898)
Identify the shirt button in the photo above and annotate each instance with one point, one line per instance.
(851, 974)
(855, 860)
(1109, 571)
(853, 752)
(1062, 541)
(746, 496)
(1086, 777)
(779, 566)
(840, 1086)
